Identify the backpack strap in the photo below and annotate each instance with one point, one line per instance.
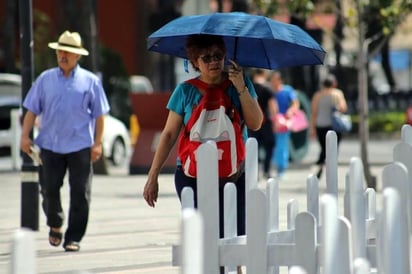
(221, 88)
(204, 86)
(209, 89)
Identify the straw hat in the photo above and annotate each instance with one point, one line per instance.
(71, 42)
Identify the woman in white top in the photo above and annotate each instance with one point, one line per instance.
(324, 102)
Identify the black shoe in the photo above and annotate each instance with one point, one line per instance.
(55, 237)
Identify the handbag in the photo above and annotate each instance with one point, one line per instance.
(341, 122)
(299, 122)
(296, 123)
(282, 124)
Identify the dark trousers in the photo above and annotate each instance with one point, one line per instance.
(52, 172)
(181, 181)
(266, 141)
(321, 135)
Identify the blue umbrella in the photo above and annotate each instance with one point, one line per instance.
(251, 40)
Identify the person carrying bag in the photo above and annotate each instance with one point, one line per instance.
(341, 121)
(328, 106)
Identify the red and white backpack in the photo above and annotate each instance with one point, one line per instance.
(215, 118)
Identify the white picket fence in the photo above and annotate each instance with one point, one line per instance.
(365, 239)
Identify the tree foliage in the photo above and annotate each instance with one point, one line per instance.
(271, 7)
(381, 19)
(388, 14)
(385, 15)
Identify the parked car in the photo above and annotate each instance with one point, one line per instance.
(10, 94)
(116, 140)
(140, 84)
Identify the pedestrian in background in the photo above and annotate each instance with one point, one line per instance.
(72, 103)
(324, 102)
(264, 136)
(288, 105)
(206, 53)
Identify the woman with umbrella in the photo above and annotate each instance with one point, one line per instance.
(206, 54)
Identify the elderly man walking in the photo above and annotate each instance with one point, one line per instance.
(71, 103)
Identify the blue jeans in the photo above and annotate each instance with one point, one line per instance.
(281, 153)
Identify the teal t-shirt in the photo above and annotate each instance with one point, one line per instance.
(186, 96)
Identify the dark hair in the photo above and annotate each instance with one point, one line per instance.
(197, 43)
(329, 81)
(258, 71)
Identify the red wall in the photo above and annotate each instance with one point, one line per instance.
(118, 26)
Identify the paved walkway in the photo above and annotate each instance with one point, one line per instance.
(125, 235)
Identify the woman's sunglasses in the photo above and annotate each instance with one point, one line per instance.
(209, 58)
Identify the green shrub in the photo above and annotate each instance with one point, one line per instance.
(381, 122)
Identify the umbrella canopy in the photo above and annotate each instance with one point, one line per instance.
(251, 40)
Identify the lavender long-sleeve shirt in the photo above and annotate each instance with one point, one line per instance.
(68, 108)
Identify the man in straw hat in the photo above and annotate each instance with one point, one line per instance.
(71, 102)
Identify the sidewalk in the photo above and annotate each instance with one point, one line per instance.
(126, 236)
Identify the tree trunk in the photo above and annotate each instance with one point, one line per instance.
(90, 34)
(90, 39)
(363, 101)
(386, 65)
(338, 32)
